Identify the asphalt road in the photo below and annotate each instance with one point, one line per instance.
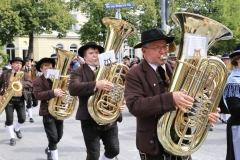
(72, 147)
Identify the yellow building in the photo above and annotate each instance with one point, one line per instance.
(43, 44)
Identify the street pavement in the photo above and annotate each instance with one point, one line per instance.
(72, 147)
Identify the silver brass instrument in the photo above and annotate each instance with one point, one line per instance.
(15, 86)
(104, 106)
(201, 78)
(62, 107)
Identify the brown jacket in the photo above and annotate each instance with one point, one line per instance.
(146, 102)
(25, 81)
(43, 92)
(82, 84)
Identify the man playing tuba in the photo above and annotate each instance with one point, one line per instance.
(83, 85)
(17, 100)
(147, 97)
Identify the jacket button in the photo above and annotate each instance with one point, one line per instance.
(152, 141)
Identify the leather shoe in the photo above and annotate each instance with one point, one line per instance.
(12, 142)
(31, 120)
(18, 133)
(49, 154)
(211, 129)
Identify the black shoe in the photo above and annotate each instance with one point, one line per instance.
(18, 133)
(12, 142)
(49, 154)
(31, 120)
(210, 129)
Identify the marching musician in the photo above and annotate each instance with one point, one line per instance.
(32, 101)
(146, 98)
(42, 89)
(17, 100)
(83, 85)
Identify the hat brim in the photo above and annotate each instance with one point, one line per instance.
(44, 60)
(168, 40)
(234, 54)
(81, 49)
(23, 62)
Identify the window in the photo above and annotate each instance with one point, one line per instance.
(24, 53)
(132, 52)
(59, 46)
(75, 26)
(73, 48)
(10, 50)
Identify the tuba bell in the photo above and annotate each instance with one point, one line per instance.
(201, 78)
(104, 106)
(62, 107)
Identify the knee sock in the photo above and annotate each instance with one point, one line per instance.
(18, 126)
(30, 112)
(105, 158)
(54, 154)
(10, 131)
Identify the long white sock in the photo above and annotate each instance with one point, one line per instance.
(18, 126)
(10, 131)
(105, 158)
(30, 112)
(54, 154)
(223, 116)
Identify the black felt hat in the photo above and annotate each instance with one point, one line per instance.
(153, 35)
(44, 60)
(17, 59)
(236, 51)
(87, 45)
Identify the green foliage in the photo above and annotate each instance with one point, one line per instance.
(143, 16)
(224, 11)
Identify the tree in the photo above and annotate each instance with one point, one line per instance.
(35, 17)
(144, 15)
(225, 12)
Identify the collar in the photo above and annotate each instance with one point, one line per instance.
(154, 67)
(93, 68)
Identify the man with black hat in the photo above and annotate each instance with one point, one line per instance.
(42, 89)
(147, 97)
(126, 61)
(83, 85)
(32, 73)
(17, 100)
(54, 56)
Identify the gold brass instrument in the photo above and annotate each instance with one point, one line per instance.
(62, 107)
(104, 106)
(12, 88)
(201, 78)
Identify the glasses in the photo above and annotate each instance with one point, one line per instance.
(159, 48)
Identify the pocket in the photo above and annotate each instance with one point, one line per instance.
(48, 119)
(147, 142)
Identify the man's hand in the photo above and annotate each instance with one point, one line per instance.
(213, 117)
(58, 92)
(122, 107)
(182, 100)
(104, 85)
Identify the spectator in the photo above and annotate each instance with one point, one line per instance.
(126, 61)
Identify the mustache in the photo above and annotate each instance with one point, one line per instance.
(163, 57)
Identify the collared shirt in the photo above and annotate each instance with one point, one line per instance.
(154, 67)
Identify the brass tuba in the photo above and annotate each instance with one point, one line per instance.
(103, 106)
(62, 107)
(201, 78)
(12, 88)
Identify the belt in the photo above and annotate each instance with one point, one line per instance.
(16, 99)
(104, 127)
